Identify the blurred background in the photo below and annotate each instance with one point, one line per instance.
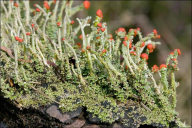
(172, 20)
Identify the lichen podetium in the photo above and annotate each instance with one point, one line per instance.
(42, 63)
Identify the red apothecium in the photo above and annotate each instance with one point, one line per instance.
(178, 51)
(144, 56)
(155, 31)
(162, 66)
(102, 29)
(104, 51)
(80, 37)
(99, 25)
(150, 47)
(99, 13)
(155, 68)
(86, 4)
(37, 9)
(72, 22)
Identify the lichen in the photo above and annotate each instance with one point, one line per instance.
(108, 76)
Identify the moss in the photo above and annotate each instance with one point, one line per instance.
(96, 97)
(114, 85)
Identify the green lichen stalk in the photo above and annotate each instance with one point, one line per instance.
(41, 64)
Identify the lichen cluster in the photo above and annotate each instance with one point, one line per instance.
(42, 63)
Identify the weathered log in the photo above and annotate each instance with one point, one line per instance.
(51, 116)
